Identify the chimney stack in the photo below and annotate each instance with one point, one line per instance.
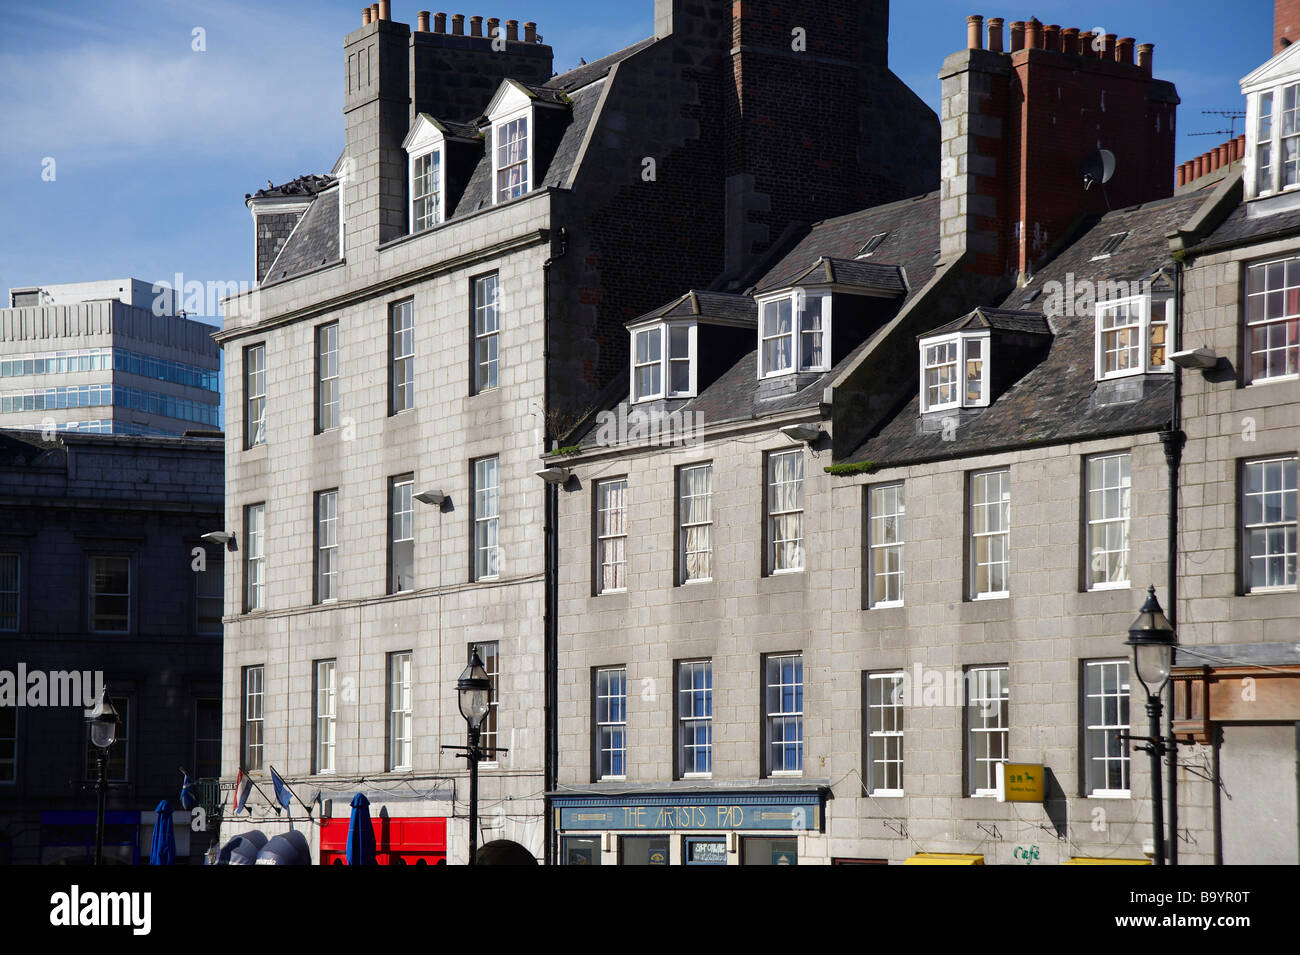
(1286, 24)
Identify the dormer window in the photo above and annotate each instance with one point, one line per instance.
(1133, 337)
(426, 190)
(512, 166)
(794, 333)
(1272, 127)
(955, 372)
(663, 363)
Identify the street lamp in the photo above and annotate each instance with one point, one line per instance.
(474, 690)
(103, 720)
(1153, 640)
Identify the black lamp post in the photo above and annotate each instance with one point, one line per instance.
(1153, 640)
(475, 692)
(103, 720)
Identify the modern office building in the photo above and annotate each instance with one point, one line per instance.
(111, 357)
(104, 575)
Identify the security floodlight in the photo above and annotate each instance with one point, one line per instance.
(1196, 359)
(436, 498)
(557, 476)
(224, 538)
(807, 433)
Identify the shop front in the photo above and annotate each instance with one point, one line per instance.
(398, 840)
(724, 828)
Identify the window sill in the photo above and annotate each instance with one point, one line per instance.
(886, 605)
(886, 794)
(611, 592)
(611, 779)
(1110, 794)
(696, 580)
(1258, 591)
(996, 595)
(487, 580)
(697, 775)
(984, 794)
(1113, 585)
(1279, 379)
(786, 774)
(782, 573)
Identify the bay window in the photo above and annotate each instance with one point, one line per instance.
(1133, 337)
(954, 372)
(794, 333)
(662, 362)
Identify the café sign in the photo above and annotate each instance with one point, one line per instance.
(785, 813)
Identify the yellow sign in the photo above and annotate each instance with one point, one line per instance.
(1020, 782)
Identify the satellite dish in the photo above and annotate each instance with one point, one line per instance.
(1097, 167)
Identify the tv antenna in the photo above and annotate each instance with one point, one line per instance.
(1232, 116)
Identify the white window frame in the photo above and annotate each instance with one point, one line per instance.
(880, 543)
(401, 717)
(1146, 307)
(774, 516)
(795, 336)
(963, 342)
(1267, 324)
(694, 711)
(611, 536)
(489, 654)
(401, 529)
(498, 125)
(609, 734)
(254, 396)
(976, 536)
(1114, 694)
(255, 557)
(401, 363)
(885, 747)
(487, 517)
(1098, 518)
(663, 361)
(328, 380)
(487, 370)
(253, 716)
(1283, 486)
(1265, 134)
(774, 685)
(700, 529)
(327, 545)
(325, 724)
(434, 154)
(980, 723)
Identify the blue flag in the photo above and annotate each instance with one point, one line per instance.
(189, 793)
(282, 791)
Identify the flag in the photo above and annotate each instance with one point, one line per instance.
(243, 783)
(282, 792)
(189, 793)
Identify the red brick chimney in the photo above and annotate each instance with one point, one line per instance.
(1018, 125)
(1286, 24)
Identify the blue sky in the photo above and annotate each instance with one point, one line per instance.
(156, 144)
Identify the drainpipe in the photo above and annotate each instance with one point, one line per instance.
(1173, 439)
(550, 623)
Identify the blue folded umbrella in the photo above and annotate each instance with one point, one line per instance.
(163, 849)
(361, 834)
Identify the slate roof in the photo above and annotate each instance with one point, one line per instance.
(303, 186)
(313, 243)
(1054, 401)
(722, 306)
(871, 276)
(1241, 227)
(590, 72)
(546, 94)
(998, 319)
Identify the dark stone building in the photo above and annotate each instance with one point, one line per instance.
(103, 569)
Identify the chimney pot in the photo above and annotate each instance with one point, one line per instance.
(440, 23)
(1108, 51)
(975, 33)
(458, 24)
(385, 11)
(1221, 159)
(1087, 44)
(1033, 35)
(475, 26)
(1182, 175)
(1241, 146)
(1070, 40)
(374, 12)
(1017, 35)
(512, 31)
(493, 26)
(995, 34)
(422, 21)
(1145, 56)
(1198, 167)
(1124, 50)
(530, 32)
(365, 15)
(1052, 37)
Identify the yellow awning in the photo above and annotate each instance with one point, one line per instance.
(1086, 860)
(944, 858)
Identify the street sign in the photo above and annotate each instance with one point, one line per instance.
(1020, 782)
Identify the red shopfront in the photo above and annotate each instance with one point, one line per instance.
(398, 841)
